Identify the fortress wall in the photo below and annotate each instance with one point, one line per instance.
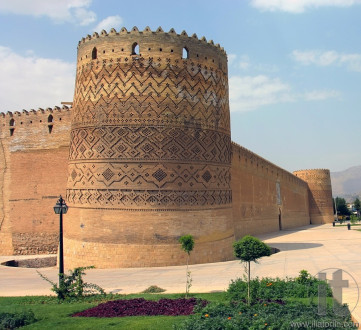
(257, 208)
(146, 239)
(34, 176)
(6, 246)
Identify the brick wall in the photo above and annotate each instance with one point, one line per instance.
(257, 207)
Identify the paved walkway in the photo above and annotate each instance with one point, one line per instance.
(314, 248)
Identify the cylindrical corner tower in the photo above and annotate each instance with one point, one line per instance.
(320, 194)
(150, 151)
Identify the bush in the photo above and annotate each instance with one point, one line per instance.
(16, 320)
(273, 306)
(73, 286)
(153, 289)
(303, 286)
(261, 316)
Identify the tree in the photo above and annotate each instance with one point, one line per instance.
(187, 245)
(357, 206)
(249, 249)
(342, 206)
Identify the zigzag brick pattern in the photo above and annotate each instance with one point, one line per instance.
(149, 123)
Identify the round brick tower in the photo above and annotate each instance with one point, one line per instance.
(150, 151)
(320, 194)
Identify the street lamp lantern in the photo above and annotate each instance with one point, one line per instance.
(61, 208)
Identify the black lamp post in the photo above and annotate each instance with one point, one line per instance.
(61, 208)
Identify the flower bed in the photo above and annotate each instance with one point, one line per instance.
(140, 306)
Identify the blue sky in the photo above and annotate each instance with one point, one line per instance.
(294, 65)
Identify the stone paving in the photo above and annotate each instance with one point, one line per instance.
(314, 248)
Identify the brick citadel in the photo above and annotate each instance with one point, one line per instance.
(143, 157)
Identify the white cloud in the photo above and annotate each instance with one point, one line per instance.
(321, 95)
(300, 6)
(252, 92)
(248, 93)
(31, 82)
(110, 22)
(75, 11)
(327, 58)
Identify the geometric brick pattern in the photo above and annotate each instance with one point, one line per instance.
(150, 143)
(144, 124)
(171, 200)
(149, 175)
(151, 91)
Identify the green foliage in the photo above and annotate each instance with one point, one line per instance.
(187, 243)
(16, 320)
(250, 248)
(262, 316)
(304, 277)
(303, 286)
(342, 206)
(73, 286)
(278, 304)
(153, 289)
(52, 315)
(357, 204)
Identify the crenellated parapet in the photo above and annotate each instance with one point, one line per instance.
(148, 77)
(263, 166)
(320, 196)
(32, 128)
(166, 38)
(28, 116)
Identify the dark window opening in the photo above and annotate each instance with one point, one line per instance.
(50, 128)
(12, 131)
(50, 119)
(185, 53)
(135, 49)
(94, 54)
(12, 122)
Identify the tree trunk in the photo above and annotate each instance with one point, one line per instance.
(187, 276)
(249, 282)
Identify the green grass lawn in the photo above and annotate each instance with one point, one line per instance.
(275, 303)
(52, 315)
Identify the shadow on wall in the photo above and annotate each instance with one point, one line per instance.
(294, 246)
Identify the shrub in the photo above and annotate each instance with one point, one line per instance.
(249, 249)
(16, 320)
(261, 316)
(73, 286)
(276, 288)
(153, 289)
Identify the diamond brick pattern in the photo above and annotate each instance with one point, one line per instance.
(150, 125)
